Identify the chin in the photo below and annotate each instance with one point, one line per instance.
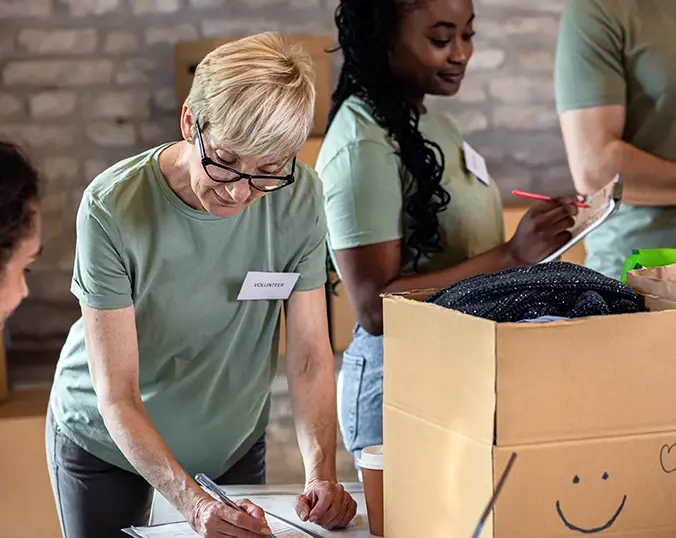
(448, 89)
(220, 210)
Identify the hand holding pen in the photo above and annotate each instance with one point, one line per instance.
(217, 516)
(544, 198)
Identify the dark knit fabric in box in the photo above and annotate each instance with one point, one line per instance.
(548, 289)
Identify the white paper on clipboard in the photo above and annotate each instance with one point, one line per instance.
(601, 206)
(279, 527)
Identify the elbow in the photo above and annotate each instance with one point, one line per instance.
(598, 167)
(371, 320)
(112, 404)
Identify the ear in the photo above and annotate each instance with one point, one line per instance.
(187, 124)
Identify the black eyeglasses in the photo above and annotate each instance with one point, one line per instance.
(224, 174)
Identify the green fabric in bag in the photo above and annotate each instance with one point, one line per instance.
(640, 259)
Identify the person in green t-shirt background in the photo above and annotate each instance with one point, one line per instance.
(184, 255)
(20, 226)
(407, 208)
(615, 82)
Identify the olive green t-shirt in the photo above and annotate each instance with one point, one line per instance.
(621, 52)
(366, 188)
(206, 359)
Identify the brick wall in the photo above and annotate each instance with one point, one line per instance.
(88, 82)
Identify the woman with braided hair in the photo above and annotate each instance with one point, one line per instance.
(19, 226)
(403, 210)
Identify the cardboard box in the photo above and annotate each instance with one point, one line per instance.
(587, 405)
(188, 54)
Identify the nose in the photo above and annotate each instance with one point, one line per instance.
(239, 191)
(462, 51)
(24, 288)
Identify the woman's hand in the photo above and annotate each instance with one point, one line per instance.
(214, 519)
(326, 503)
(543, 229)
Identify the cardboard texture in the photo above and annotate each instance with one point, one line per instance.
(188, 54)
(586, 404)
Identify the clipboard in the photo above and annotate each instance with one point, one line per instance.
(602, 205)
(181, 529)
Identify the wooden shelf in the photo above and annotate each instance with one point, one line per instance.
(4, 377)
(26, 403)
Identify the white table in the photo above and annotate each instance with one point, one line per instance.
(278, 500)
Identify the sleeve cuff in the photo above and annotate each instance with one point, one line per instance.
(311, 282)
(100, 302)
(362, 240)
(590, 102)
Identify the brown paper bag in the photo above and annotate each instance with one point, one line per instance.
(656, 284)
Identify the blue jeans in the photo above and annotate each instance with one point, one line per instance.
(361, 392)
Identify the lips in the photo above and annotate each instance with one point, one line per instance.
(451, 76)
(222, 201)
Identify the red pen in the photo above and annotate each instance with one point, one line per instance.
(541, 197)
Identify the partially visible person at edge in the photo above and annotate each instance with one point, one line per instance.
(167, 374)
(402, 210)
(615, 82)
(20, 225)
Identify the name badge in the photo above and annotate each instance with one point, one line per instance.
(476, 164)
(259, 285)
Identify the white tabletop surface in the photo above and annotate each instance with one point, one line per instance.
(277, 500)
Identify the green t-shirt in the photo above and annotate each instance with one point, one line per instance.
(206, 359)
(366, 187)
(621, 52)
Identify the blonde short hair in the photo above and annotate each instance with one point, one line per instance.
(256, 96)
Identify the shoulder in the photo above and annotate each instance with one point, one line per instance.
(441, 126)
(353, 127)
(585, 12)
(302, 199)
(307, 182)
(116, 189)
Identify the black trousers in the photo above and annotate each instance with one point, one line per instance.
(95, 499)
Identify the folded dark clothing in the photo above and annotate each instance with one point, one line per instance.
(548, 289)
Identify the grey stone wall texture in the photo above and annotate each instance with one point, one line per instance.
(84, 83)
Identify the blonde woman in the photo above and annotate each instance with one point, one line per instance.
(184, 256)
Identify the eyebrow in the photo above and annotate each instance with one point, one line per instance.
(451, 25)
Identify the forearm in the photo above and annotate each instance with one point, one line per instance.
(490, 261)
(133, 432)
(313, 396)
(647, 180)
(496, 259)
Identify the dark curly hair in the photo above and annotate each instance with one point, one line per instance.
(19, 189)
(366, 29)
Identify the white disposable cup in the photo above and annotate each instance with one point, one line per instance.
(371, 464)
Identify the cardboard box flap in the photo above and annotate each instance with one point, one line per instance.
(462, 466)
(440, 366)
(188, 54)
(586, 378)
(612, 487)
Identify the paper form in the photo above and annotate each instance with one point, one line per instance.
(278, 527)
(601, 205)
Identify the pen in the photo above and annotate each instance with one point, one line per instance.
(494, 498)
(208, 484)
(541, 197)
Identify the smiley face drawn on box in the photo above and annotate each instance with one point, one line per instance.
(568, 520)
(606, 487)
(668, 458)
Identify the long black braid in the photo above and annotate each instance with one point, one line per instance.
(365, 32)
